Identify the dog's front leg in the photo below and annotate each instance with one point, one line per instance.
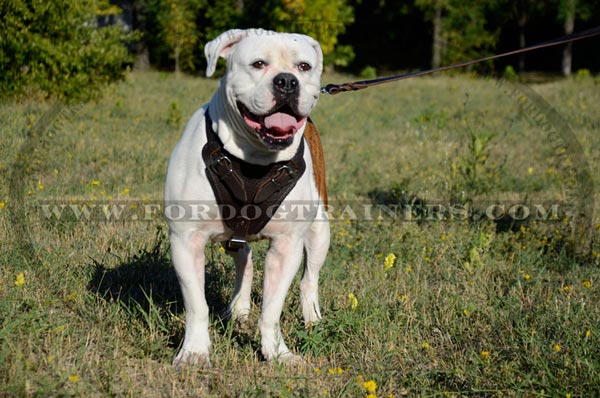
(281, 264)
(187, 252)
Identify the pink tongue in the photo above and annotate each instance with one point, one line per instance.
(282, 122)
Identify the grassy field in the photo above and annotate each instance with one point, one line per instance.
(464, 306)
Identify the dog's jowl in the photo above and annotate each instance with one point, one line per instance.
(249, 166)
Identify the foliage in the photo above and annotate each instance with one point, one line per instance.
(510, 74)
(201, 21)
(465, 31)
(368, 72)
(471, 171)
(56, 47)
(178, 31)
(324, 20)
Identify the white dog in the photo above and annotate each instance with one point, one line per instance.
(260, 115)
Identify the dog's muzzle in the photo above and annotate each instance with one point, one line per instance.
(278, 127)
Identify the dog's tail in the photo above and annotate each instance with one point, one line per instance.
(311, 135)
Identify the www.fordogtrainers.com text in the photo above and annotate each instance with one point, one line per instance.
(132, 211)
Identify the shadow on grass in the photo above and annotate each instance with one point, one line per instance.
(146, 286)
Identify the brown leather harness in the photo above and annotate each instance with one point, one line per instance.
(247, 194)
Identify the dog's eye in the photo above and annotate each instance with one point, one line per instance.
(259, 64)
(303, 67)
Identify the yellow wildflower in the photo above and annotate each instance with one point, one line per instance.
(389, 261)
(73, 378)
(20, 280)
(95, 183)
(485, 354)
(71, 297)
(587, 283)
(370, 386)
(317, 370)
(353, 301)
(2, 204)
(557, 347)
(371, 396)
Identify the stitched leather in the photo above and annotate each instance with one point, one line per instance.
(248, 194)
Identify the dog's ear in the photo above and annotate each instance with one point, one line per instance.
(224, 43)
(221, 47)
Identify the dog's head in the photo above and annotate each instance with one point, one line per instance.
(272, 81)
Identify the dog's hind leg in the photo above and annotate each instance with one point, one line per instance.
(239, 308)
(316, 246)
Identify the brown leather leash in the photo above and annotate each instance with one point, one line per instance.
(359, 85)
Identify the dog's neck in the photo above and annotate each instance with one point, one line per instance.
(239, 139)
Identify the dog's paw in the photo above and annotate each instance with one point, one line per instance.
(310, 312)
(193, 359)
(287, 358)
(290, 359)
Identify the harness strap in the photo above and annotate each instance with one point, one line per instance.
(248, 195)
(221, 166)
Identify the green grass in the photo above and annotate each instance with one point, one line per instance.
(469, 308)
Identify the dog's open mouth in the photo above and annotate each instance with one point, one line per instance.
(277, 128)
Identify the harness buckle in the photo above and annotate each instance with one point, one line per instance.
(215, 165)
(283, 169)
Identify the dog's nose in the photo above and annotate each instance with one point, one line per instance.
(286, 83)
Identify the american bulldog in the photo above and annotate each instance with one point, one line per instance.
(251, 144)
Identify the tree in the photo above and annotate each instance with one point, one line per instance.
(177, 21)
(324, 20)
(460, 29)
(523, 10)
(433, 10)
(568, 11)
(56, 47)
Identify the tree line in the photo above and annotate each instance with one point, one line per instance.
(59, 47)
(380, 34)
